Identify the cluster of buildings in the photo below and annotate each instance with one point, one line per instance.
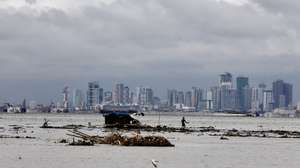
(121, 95)
(227, 97)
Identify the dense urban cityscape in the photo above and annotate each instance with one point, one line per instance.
(225, 97)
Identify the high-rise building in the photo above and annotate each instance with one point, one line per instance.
(180, 97)
(242, 82)
(226, 80)
(101, 95)
(144, 96)
(94, 95)
(255, 100)
(131, 98)
(24, 106)
(282, 94)
(228, 98)
(247, 98)
(261, 88)
(172, 96)
(66, 102)
(216, 98)
(209, 100)
(118, 94)
(126, 95)
(196, 97)
(268, 104)
(188, 99)
(242, 85)
(78, 99)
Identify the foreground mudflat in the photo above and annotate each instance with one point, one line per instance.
(191, 150)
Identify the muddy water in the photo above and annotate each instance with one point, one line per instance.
(190, 151)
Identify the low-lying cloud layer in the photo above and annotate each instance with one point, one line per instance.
(163, 42)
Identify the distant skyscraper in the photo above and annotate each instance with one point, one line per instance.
(24, 106)
(242, 85)
(94, 95)
(118, 94)
(261, 88)
(209, 99)
(66, 98)
(149, 96)
(216, 98)
(78, 99)
(196, 97)
(226, 80)
(126, 95)
(188, 99)
(172, 96)
(131, 98)
(255, 100)
(268, 101)
(282, 94)
(228, 98)
(247, 95)
(180, 97)
(144, 96)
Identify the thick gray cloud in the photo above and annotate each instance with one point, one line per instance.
(169, 43)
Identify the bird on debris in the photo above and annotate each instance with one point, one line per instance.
(154, 162)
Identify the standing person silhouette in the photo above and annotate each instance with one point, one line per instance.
(183, 122)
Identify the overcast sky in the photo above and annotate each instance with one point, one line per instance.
(47, 44)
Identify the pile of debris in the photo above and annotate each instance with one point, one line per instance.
(70, 126)
(17, 137)
(258, 133)
(81, 143)
(148, 128)
(123, 140)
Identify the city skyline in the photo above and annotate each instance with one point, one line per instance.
(160, 92)
(223, 97)
(230, 93)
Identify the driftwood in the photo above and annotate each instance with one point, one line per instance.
(258, 133)
(17, 137)
(147, 128)
(81, 143)
(212, 131)
(118, 139)
(69, 126)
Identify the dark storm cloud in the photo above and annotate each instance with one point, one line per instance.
(133, 39)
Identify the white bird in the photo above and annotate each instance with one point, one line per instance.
(154, 162)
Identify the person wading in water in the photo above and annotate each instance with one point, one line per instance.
(183, 122)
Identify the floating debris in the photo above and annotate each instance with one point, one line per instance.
(18, 137)
(118, 139)
(224, 138)
(81, 143)
(63, 141)
(258, 134)
(154, 162)
(147, 128)
(70, 126)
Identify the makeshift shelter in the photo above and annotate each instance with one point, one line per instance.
(119, 118)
